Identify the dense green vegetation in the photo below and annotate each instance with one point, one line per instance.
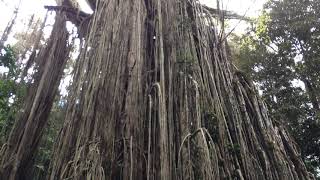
(10, 91)
(281, 53)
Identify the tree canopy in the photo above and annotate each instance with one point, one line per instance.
(281, 54)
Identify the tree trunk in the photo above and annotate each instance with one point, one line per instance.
(38, 34)
(17, 159)
(8, 29)
(155, 97)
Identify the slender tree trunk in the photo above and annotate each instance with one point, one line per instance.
(35, 47)
(8, 29)
(17, 159)
(155, 97)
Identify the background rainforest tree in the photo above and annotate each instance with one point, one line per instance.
(282, 56)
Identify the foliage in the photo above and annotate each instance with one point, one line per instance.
(7, 60)
(10, 91)
(281, 54)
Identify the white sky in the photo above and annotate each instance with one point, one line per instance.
(239, 6)
(28, 7)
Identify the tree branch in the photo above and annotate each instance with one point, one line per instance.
(74, 15)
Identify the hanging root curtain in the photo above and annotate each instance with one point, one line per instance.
(16, 159)
(154, 96)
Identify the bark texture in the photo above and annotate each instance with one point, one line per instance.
(155, 97)
(16, 157)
